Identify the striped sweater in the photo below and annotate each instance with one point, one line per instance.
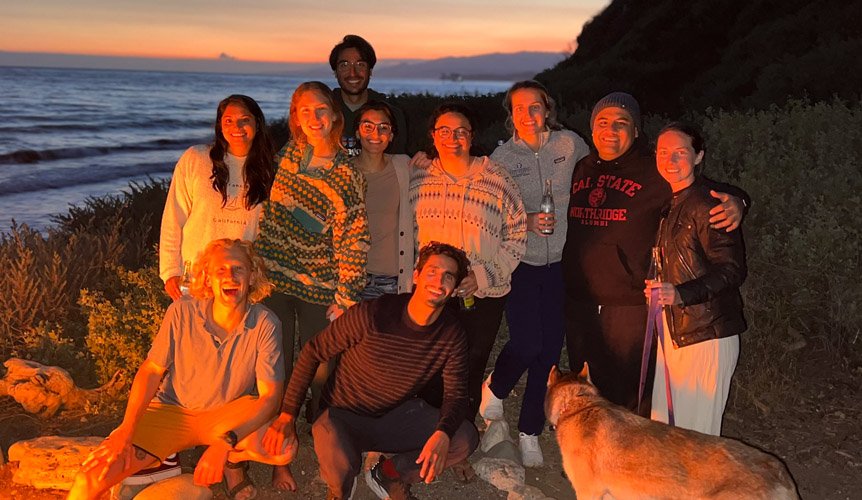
(385, 360)
(480, 213)
(314, 230)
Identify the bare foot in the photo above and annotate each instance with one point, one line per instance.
(234, 478)
(282, 478)
(464, 472)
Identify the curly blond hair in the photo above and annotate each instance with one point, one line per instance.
(259, 285)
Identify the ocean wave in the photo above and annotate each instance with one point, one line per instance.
(60, 178)
(19, 126)
(23, 156)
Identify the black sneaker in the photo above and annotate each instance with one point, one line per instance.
(386, 488)
(169, 468)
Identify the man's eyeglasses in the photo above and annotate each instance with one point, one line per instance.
(446, 132)
(367, 127)
(344, 66)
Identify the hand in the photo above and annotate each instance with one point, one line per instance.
(172, 287)
(419, 160)
(667, 293)
(727, 214)
(117, 446)
(334, 311)
(468, 286)
(433, 456)
(210, 468)
(538, 221)
(280, 437)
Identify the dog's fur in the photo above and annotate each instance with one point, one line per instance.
(609, 452)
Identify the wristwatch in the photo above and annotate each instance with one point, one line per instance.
(230, 438)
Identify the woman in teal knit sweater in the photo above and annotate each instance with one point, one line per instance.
(313, 230)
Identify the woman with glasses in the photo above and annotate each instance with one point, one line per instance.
(471, 203)
(313, 231)
(390, 218)
(539, 151)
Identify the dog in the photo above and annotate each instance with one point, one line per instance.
(609, 452)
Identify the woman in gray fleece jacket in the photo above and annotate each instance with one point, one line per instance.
(538, 150)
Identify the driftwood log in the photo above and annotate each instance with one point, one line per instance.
(44, 390)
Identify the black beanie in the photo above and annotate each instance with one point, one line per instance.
(618, 100)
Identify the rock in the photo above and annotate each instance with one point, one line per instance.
(528, 493)
(45, 389)
(503, 474)
(505, 450)
(50, 461)
(181, 486)
(497, 432)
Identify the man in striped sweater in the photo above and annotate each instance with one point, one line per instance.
(389, 349)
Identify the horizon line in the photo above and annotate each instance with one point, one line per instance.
(224, 57)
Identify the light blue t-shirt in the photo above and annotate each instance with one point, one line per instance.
(205, 373)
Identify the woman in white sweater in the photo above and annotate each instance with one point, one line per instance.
(216, 190)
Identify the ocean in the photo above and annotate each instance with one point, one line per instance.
(68, 134)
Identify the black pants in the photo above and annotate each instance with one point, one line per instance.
(340, 437)
(307, 319)
(481, 325)
(611, 339)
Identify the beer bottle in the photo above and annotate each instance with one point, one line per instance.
(186, 280)
(547, 205)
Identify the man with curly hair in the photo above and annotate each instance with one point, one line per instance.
(214, 376)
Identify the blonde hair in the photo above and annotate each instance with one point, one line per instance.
(259, 285)
(296, 133)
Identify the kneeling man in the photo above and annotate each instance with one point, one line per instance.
(389, 349)
(214, 377)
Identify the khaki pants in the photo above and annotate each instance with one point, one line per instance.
(165, 429)
(700, 377)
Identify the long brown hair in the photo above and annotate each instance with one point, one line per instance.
(259, 170)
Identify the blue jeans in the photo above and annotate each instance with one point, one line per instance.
(377, 285)
(534, 313)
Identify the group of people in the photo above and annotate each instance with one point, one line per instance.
(396, 273)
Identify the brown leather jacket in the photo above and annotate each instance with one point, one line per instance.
(706, 265)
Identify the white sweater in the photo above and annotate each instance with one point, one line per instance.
(194, 214)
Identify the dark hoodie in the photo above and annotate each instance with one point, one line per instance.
(613, 217)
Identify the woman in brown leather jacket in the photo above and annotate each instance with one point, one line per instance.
(702, 270)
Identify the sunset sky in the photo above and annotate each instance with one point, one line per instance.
(291, 30)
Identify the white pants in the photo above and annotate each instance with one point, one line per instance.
(699, 381)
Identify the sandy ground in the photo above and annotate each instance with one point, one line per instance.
(818, 436)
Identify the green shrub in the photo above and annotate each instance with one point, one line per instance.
(44, 273)
(800, 164)
(121, 323)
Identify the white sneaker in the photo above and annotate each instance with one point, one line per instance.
(497, 431)
(491, 407)
(531, 452)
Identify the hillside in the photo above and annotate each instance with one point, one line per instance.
(676, 55)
